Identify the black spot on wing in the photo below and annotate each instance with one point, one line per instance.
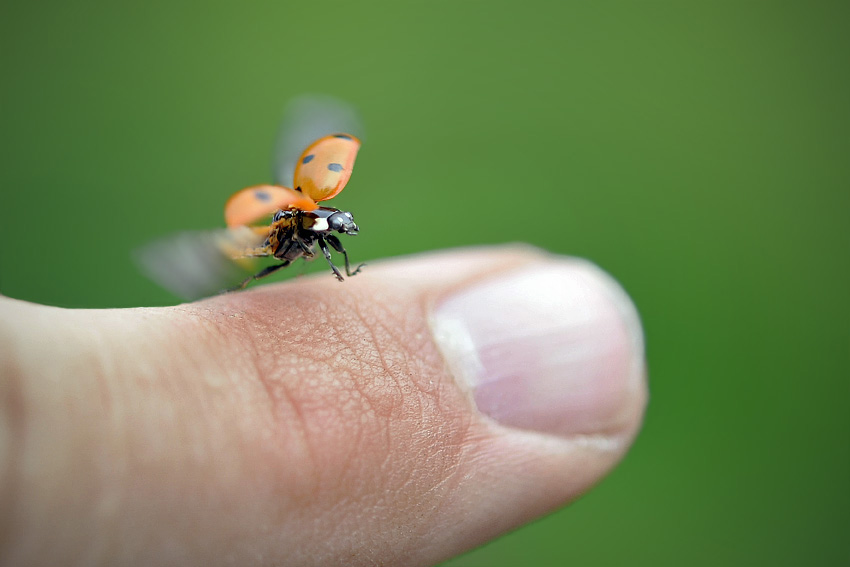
(263, 196)
(343, 136)
(335, 166)
(308, 158)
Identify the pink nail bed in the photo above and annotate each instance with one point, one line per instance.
(555, 348)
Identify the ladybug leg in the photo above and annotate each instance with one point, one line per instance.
(334, 241)
(305, 248)
(263, 273)
(327, 254)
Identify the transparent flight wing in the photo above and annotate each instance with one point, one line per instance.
(192, 265)
(306, 119)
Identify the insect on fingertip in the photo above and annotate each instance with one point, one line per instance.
(194, 265)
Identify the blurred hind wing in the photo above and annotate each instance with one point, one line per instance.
(192, 265)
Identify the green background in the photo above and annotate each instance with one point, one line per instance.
(698, 152)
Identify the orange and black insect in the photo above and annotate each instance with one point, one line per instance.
(271, 220)
(299, 224)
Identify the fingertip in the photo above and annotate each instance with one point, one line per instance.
(540, 342)
(450, 396)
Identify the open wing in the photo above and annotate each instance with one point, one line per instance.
(254, 203)
(325, 166)
(192, 265)
(305, 120)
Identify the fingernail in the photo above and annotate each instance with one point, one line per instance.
(556, 347)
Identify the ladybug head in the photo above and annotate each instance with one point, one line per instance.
(342, 222)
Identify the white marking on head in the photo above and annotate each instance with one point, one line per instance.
(320, 224)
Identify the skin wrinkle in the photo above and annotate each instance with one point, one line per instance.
(453, 453)
(398, 411)
(241, 344)
(358, 351)
(439, 368)
(449, 479)
(112, 464)
(284, 382)
(302, 484)
(427, 489)
(311, 474)
(255, 360)
(315, 431)
(383, 405)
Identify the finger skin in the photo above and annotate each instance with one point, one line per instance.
(305, 423)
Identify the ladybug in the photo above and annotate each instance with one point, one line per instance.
(299, 224)
(271, 220)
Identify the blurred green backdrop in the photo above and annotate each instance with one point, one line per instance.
(699, 152)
